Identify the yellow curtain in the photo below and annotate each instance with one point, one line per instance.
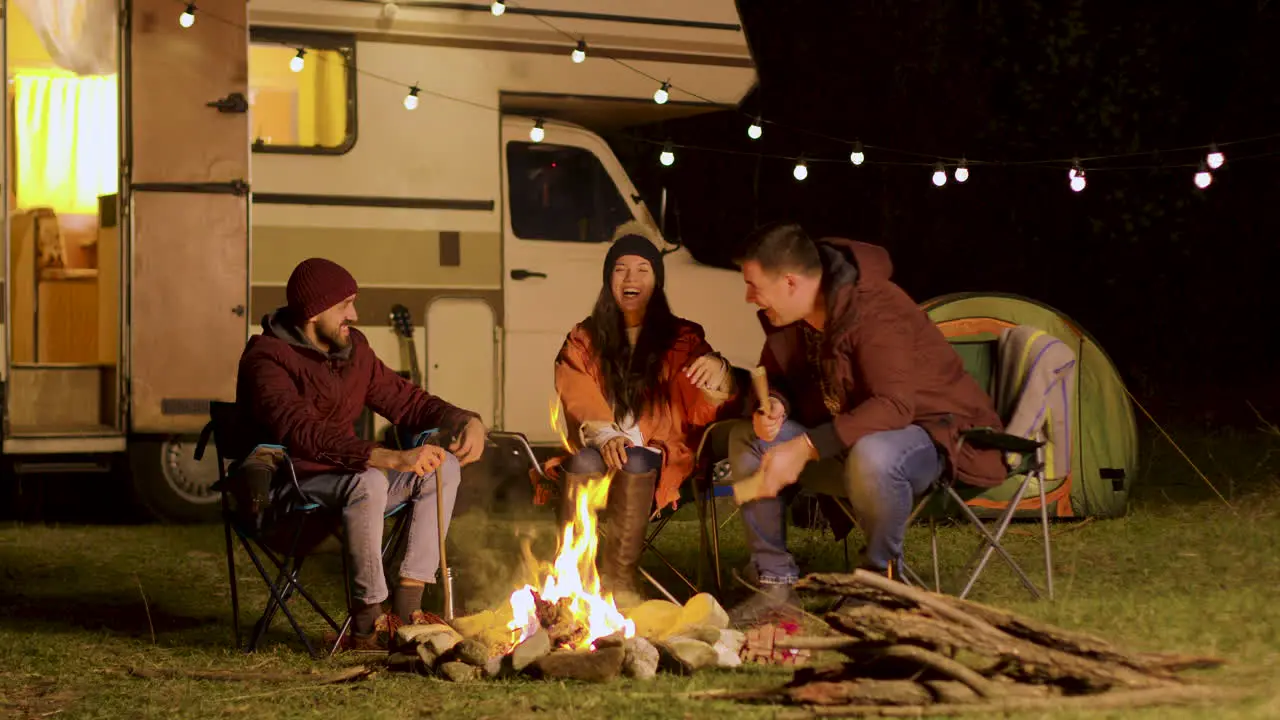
(66, 133)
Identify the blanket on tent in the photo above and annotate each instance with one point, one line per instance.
(1035, 389)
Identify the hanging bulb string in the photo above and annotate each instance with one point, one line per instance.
(928, 160)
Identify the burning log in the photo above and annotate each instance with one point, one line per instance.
(911, 652)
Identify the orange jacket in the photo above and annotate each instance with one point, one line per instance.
(672, 425)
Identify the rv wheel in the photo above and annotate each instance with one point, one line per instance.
(170, 483)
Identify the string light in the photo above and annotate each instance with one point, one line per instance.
(1203, 177)
(662, 94)
(1077, 177)
(802, 170)
(537, 133)
(939, 175)
(857, 157)
(1212, 160)
(1215, 157)
(411, 100)
(668, 156)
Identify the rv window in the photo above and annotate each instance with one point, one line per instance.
(558, 192)
(305, 105)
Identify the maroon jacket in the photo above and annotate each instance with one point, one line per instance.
(886, 361)
(292, 393)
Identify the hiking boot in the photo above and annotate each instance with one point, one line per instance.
(773, 602)
(380, 640)
(625, 518)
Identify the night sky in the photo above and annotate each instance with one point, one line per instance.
(1172, 280)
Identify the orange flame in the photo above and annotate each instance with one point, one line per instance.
(573, 574)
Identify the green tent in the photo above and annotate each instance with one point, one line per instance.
(1104, 435)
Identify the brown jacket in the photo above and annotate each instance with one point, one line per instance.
(291, 393)
(673, 426)
(885, 361)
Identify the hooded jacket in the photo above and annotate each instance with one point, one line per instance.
(885, 361)
(292, 393)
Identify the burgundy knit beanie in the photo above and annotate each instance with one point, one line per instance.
(317, 285)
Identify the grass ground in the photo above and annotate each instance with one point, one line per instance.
(1181, 572)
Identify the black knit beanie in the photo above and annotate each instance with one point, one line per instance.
(634, 245)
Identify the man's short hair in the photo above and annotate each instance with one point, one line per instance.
(782, 247)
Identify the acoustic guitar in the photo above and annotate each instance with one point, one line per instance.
(402, 323)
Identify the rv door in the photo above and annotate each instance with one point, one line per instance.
(188, 209)
(562, 203)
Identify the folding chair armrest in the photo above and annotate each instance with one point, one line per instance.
(706, 443)
(288, 465)
(203, 442)
(522, 444)
(988, 439)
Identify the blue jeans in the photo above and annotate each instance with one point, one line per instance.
(881, 476)
(588, 461)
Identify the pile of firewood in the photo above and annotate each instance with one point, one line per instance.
(910, 652)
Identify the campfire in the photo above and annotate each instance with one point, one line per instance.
(560, 625)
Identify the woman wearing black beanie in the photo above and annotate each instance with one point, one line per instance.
(636, 383)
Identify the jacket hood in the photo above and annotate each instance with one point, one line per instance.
(280, 326)
(847, 267)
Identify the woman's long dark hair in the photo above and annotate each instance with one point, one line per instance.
(633, 380)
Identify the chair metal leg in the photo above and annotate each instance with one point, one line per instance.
(278, 601)
(1048, 552)
(933, 547)
(231, 569)
(717, 577)
(992, 542)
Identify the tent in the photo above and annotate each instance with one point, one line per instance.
(1104, 434)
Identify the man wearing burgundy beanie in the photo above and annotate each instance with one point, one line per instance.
(302, 384)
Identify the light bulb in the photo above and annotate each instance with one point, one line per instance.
(537, 133)
(1215, 157)
(939, 175)
(1203, 177)
(1077, 178)
(802, 170)
(295, 63)
(662, 94)
(668, 156)
(754, 130)
(962, 172)
(580, 52)
(188, 16)
(498, 7)
(857, 157)
(411, 100)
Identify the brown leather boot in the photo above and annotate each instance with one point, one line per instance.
(568, 505)
(624, 521)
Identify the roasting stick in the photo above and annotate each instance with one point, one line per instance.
(748, 488)
(445, 580)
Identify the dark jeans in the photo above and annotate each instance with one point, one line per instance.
(881, 476)
(588, 461)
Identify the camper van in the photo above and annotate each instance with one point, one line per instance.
(167, 171)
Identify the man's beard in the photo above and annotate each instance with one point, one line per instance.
(335, 339)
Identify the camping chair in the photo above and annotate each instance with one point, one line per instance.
(1030, 468)
(286, 551)
(704, 492)
(1022, 385)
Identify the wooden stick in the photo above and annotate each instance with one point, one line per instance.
(760, 381)
(352, 673)
(444, 561)
(1166, 695)
(927, 600)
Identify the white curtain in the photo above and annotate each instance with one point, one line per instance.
(80, 35)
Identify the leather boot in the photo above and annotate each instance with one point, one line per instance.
(625, 519)
(568, 505)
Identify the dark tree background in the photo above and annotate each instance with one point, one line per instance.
(1173, 281)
